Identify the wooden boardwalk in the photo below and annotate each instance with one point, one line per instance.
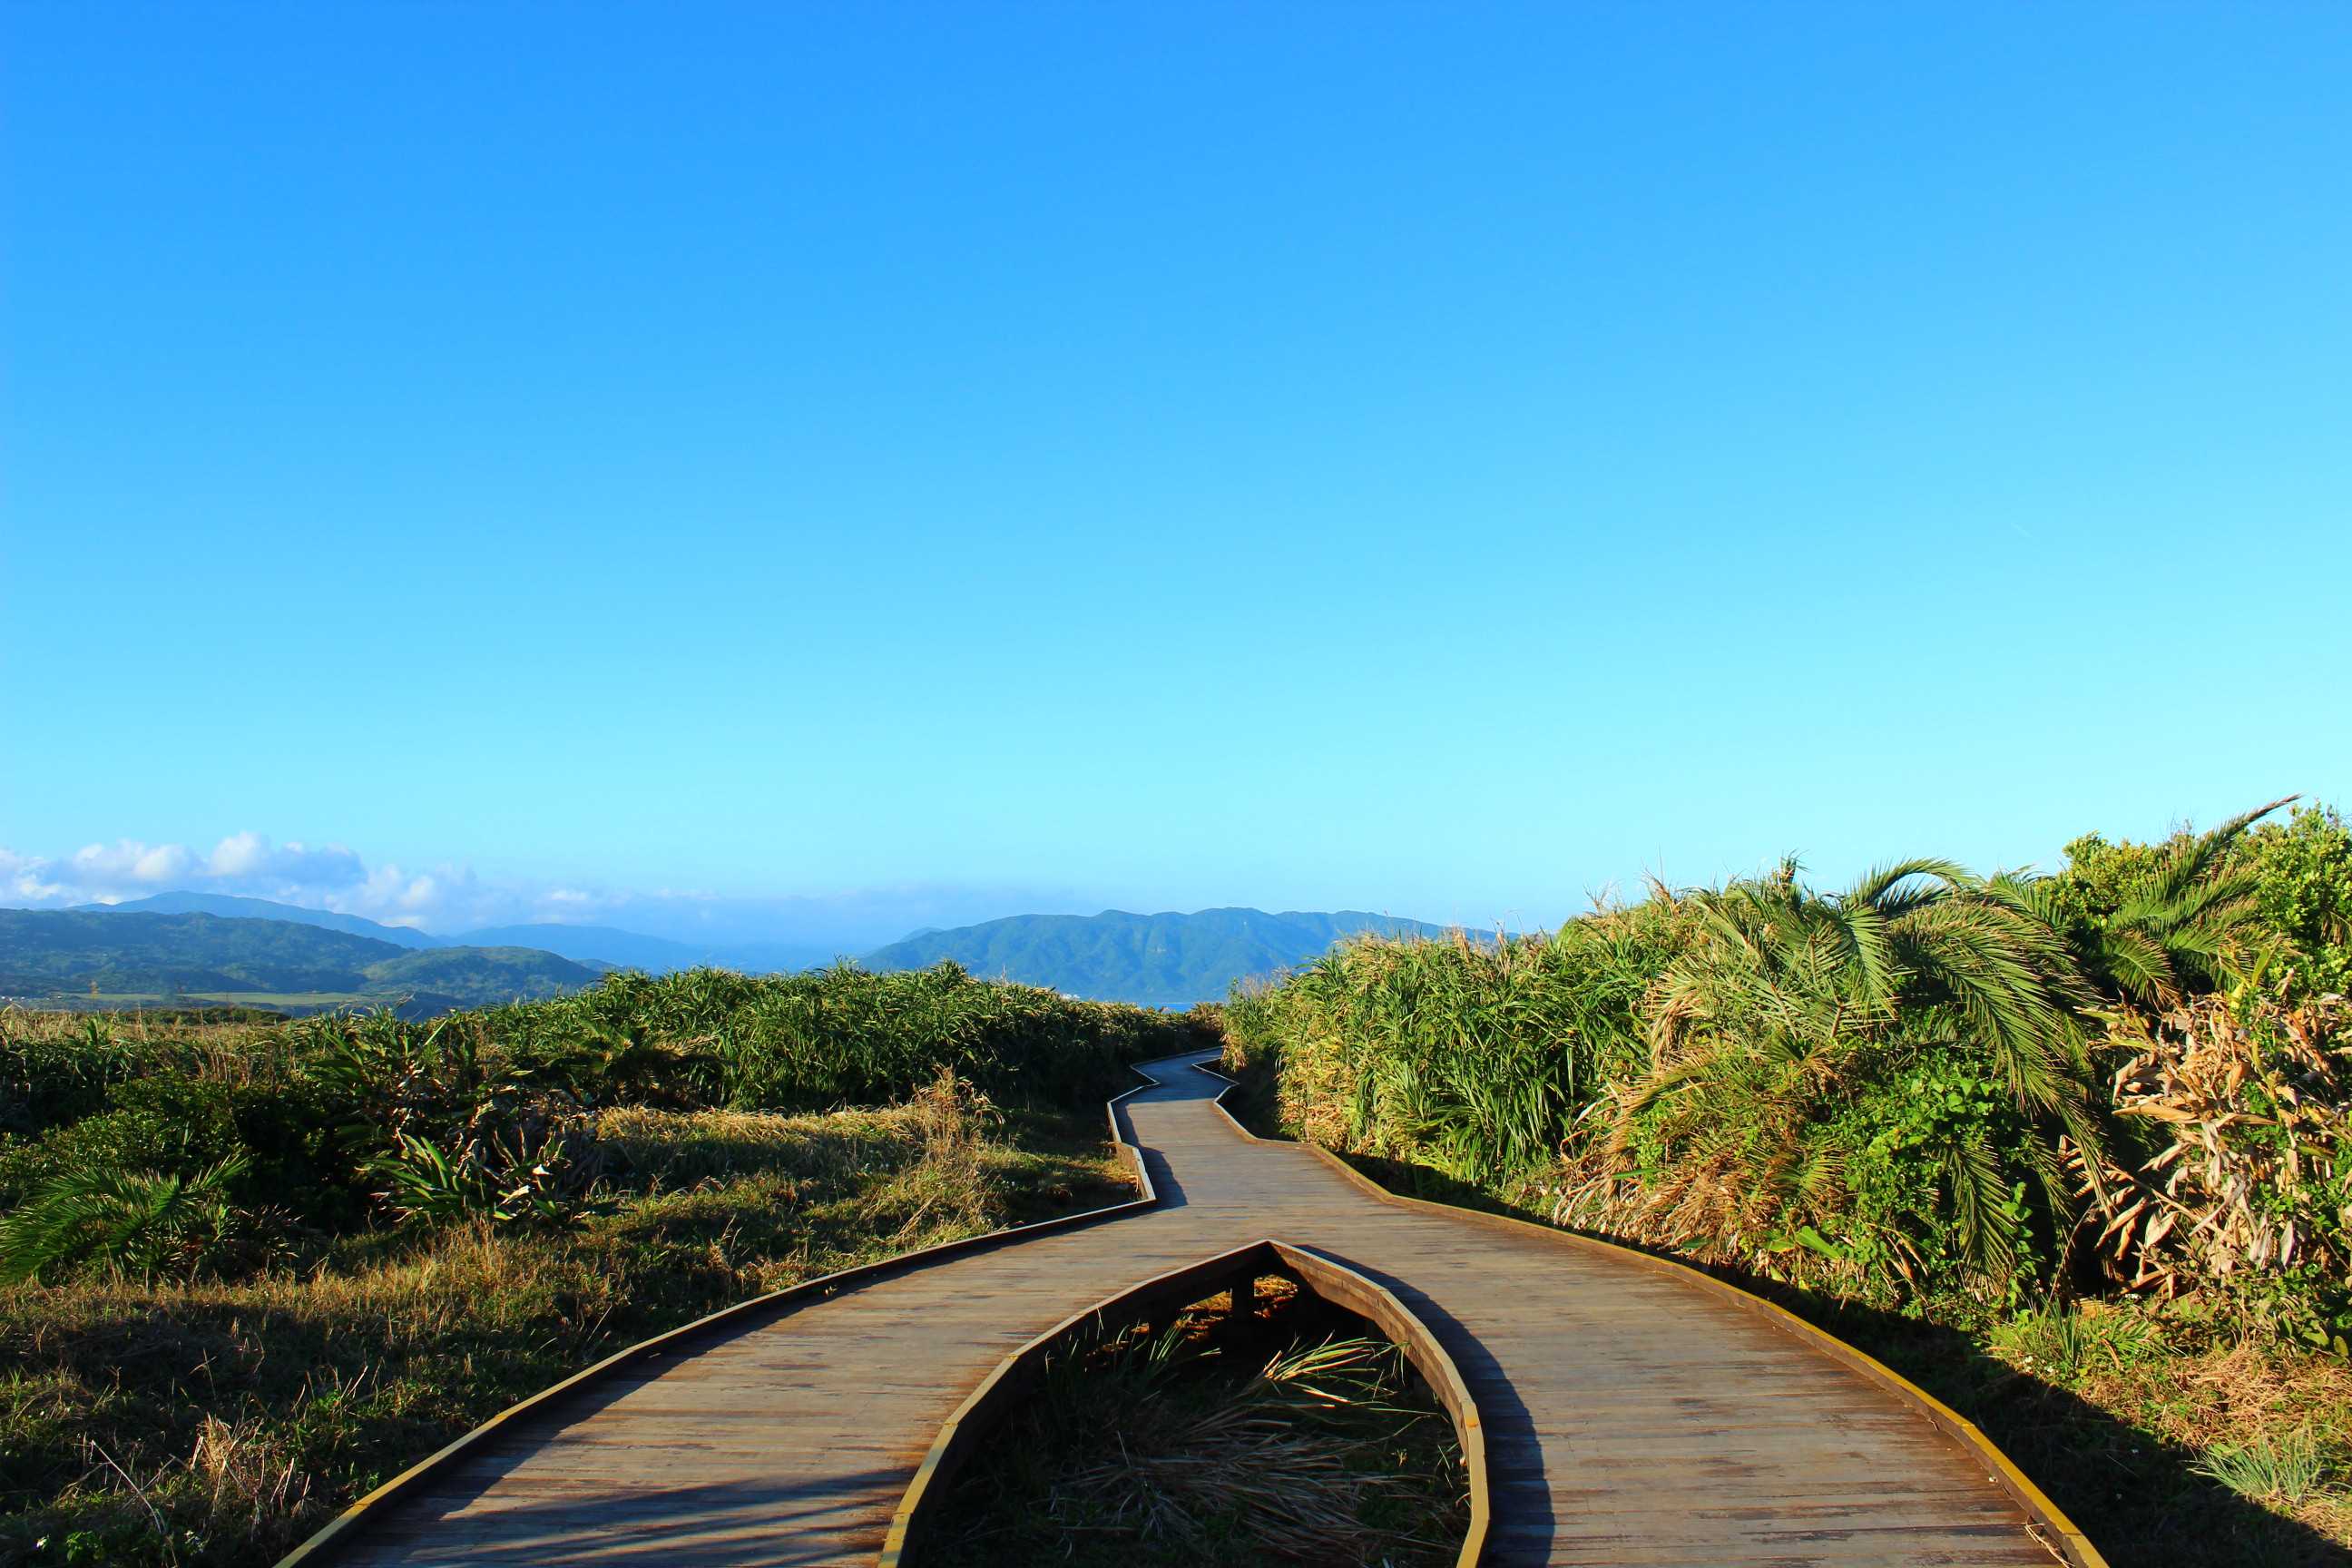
(1633, 1415)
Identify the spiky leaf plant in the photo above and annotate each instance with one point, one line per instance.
(1860, 1085)
(2156, 923)
(141, 1222)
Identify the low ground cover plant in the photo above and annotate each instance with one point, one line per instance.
(250, 1268)
(2111, 1103)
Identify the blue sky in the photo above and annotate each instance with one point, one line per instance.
(944, 461)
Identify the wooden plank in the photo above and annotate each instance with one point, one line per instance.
(1630, 1410)
(1237, 1270)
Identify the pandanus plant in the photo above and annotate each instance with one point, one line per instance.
(2156, 924)
(1789, 1008)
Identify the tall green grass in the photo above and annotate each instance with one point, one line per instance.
(1471, 1056)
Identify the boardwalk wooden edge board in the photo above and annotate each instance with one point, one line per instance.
(343, 1530)
(2050, 1522)
(985, 1408)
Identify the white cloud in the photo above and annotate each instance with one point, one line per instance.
(162, 864)
(252, 857)
(22, 876)
(447, 898)
(127, 862)
(249, 863)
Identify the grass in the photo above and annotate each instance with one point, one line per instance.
(1290, 1432)
(2287, 1469)
(2146, 1424)
(216, 1422)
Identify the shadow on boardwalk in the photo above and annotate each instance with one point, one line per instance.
(2139, 1500)
(1524, 1519)
(586, 1525)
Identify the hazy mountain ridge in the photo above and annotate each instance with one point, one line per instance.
(593, 944)
(231, 907)
(69, 952)
(656, 954)
(1167, 959)
(201, 943)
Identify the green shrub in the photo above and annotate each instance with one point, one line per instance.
(46, 1080)
(141, 1222)
(172, 1128)
(2303, 871)
(286, 1147)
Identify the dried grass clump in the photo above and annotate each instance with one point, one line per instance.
(679, 1148)
(1292, 1483)
(1219, 1439)
(2252, 1173)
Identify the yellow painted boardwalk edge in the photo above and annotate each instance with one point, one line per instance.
(343, 1531)
(2049, 1520)
(1178, 1288)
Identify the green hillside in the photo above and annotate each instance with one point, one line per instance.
(73, 954)
(186, 903)
(1158, 961)
(482, 973)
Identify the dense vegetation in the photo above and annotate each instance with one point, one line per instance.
(1157, 961)
(258, 1268)
(2005, 1106)
(69, 952)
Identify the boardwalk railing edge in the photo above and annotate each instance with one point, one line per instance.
(983, 1410)
(342, 1531)
(2059, 1534)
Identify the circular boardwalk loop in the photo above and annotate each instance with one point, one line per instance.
(1632, 1414)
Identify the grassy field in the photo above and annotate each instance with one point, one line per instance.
(258, 1269)
(156, 1001)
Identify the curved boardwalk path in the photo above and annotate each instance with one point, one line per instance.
(1631, 1417)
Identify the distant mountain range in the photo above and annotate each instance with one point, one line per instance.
(212, 946)
(612, 948)
(1160, 961)
(261, 909)
(653, 954)
(78, 953)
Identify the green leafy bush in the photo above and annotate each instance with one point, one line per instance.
(46, 1080)
(286, 1149)
(2302, 873)
(141, 1222)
